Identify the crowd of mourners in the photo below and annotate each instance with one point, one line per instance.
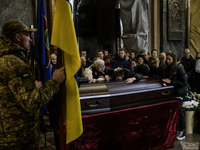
(133, 67)
(182, 73)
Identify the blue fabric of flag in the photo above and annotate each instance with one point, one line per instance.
(42, 50)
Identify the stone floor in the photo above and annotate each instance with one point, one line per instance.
(49, 143)
(190, 143)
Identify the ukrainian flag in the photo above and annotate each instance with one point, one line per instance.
(64, 37)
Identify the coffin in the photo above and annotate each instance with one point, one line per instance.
(104, 97)
(138, 116)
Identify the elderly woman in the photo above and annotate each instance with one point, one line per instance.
(100, 72)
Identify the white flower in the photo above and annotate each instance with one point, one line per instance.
(192, 105)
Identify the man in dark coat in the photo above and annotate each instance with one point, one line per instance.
(120, 60)
(189, 63)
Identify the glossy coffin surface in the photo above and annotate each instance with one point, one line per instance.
(104, 97)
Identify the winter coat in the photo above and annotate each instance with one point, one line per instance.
(188, 65)
(120, 62)
(179, 82)
(157, 72)
(96, 74)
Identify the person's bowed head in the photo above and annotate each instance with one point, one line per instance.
(98, 74)
(119, 76)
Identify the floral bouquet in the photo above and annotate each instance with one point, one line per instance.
(191, 101)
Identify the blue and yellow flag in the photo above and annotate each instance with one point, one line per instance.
(42, 50)
(64, 37)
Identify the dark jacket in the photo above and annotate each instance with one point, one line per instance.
(157, 72)
(54, 67)
(120, 62)
(142, 69)
(179, 82)
(197, 80)
(188, 65)
(96, 74)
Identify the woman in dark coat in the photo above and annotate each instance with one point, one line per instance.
(174, 74)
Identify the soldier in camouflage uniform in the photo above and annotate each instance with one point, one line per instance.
(20, 96)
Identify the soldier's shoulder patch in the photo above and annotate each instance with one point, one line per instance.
(26, 76)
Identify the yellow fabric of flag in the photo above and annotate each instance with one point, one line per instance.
(195, 27)
(64, 37)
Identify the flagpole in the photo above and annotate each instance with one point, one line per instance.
(61, 101)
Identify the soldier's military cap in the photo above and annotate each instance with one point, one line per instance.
(13, 26)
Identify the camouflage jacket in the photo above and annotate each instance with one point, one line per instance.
(20, 100)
